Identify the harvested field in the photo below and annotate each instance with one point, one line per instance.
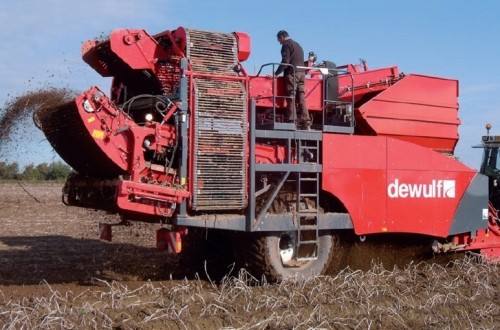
(55, 273)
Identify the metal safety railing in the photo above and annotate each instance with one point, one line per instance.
(336, 115)
(275, 97)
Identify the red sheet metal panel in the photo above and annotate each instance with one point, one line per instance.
(418, 109)
(102, 126)
(243, 46)
(389, 185)
(136, 48)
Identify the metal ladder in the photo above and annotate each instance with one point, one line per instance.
(307, 187)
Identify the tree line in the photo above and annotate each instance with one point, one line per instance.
(41, 172)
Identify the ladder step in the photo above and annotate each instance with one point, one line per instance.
(308, 227)
(309, 211)
(303, 180)
(308, 242)
(307, 258)
(308, 195)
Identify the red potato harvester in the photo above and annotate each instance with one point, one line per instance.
(189, 139)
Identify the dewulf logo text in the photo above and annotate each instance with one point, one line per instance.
(435, 189)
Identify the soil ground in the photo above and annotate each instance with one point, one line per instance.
(56, 273)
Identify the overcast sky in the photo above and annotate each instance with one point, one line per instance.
(40, 44)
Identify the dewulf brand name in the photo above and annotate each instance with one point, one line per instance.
(434, 189)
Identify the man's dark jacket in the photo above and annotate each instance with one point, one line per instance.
(291, 53)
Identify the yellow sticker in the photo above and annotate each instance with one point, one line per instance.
(98, 134)
(91, 119)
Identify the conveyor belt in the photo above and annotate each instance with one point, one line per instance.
(220, 122)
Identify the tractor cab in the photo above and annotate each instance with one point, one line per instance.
(490, 165)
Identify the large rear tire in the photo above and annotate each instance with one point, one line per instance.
(272, 255)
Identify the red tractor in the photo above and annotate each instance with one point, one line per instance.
(189, 139)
